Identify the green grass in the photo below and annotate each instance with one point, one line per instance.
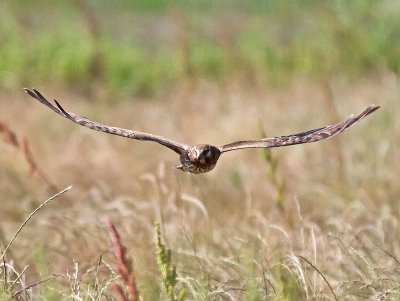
(277, 42)
(169, 276)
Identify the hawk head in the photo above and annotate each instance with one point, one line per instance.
(204, 154)
(199, 158)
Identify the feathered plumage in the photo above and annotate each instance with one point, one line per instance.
(200, 158)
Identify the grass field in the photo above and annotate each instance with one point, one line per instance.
(143, 49)
(309, 222)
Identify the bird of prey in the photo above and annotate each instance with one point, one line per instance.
(201, 158)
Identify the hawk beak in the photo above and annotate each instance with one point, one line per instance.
(198, 152)
(179, 167)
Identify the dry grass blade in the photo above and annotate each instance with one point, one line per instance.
(5, 288)
(319, 272)
(28, 156)
(33, 167)
(30, 216)
(89, 17)
(8, 135)
(18, 276)
(279, 182)
(124, 267)
(332, 112)
(22, 145)
(33, 284)
(93, 26)
(387, 253)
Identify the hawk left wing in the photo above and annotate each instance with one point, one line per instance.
(303, 137)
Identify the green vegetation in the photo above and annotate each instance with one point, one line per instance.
(278, 182)
(169, 277)
(160, 43)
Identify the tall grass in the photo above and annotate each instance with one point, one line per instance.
(227, 241)
(223, 238)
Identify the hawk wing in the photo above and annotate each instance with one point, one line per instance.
(175, 146)
(303, 137)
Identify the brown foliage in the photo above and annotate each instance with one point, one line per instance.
(124, 268)
(22, 146)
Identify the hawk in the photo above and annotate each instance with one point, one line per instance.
(201, 158)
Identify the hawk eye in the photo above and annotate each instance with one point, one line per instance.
(206, 151)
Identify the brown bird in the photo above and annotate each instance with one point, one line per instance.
(201, 158)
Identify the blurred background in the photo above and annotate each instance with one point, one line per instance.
(316, 221)
(144, 48)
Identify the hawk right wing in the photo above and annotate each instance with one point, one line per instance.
(175, 146)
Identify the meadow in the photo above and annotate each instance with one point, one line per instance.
(308, 222)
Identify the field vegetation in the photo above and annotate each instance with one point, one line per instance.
(309, 222)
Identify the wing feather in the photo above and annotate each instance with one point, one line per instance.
(303, 137)
(175, 146)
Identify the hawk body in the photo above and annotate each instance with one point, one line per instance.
(201, 158)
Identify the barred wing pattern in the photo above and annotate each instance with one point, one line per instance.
(200, 158)
(303, 137)
(175, 146)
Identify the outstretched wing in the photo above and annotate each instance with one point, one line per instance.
(303, 137)
(175, 146)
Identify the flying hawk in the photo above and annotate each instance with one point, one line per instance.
(200, 158)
